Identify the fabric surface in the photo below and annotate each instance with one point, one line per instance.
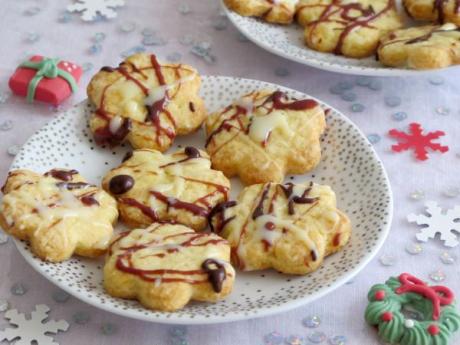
(341, 311)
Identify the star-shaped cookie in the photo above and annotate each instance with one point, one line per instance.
(439, 11)
(273, 11)
(265, 135)
(165, 266)
(344, 27)
(181, 187)
(423, 47)
(288, 227)
(145, 102)
(58, 212)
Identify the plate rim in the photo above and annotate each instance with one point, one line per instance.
(331, 67)
(262, 312)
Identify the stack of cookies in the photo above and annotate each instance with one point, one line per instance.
(186, 235)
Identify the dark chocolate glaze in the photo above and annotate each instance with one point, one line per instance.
(63, 175)
(127, 156)
(121, 184)
(259, 209)
(89, 200)
(219, 210)
(103, 135)
(216, 273)
(73, 185)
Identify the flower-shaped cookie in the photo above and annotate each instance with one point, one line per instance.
(279, 11)
(265, 135)
(422, 47)
(145, 102)
(440, 11)
(166, 265)
(350, 28)
(58, 212)
(289, 227)
(180, 187)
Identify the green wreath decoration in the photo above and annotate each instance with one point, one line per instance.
(435, 304)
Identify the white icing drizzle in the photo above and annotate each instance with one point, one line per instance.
(246, 103)
(115, 124)
(448, 27)
(159, 92)
(261, 126)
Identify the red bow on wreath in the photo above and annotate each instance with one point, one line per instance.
(438, 295)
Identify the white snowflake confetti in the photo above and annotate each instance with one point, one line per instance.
(437, 221)
(33, 329)
(91, 9)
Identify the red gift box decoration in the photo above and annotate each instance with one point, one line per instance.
(45, 79)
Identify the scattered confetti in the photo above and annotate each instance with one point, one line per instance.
(178, 331)
(178, 341)
(81, 317)
(442, 111)
(98, 37)
(281, 72)
(109, 328)
(418, 141)
(436, 221)
(447, 258)
(148, 32)
(186, 40)
(399, 116)
(349, 96)
(335, 90)
(18, 289)
(414, 248)
(127, 27)
(387, 260)
(184, 8)
(436, 80)
(392, 101)
(87, 66)
(64, 17)
(154, 40)
(4, 305)
(95, 49)
(94, 9)
(203, 50)
(373, 138)
(294, 340)
(32, 11)
(6, 125)
(363, 81)
(375, 85)
(345, 85)
(437, 276)
(417, 195)
(32, 37)
(13, 150)
(357, 107)
(311, 321)
(220, 24)
(60, 296)
(452, 192)
(338, 340)
(273, 338)
(317, 337)
(34, 329)
(3, 237)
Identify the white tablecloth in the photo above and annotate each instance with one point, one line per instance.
(341, 311)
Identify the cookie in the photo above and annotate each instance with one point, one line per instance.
(265, 135)
(391, 305)
(344, 27)
(439, 11)
(273, 11)
(288, 227)
(181, 187)
(424, 47)
(166, 265)
(58, 212)
(145, 102)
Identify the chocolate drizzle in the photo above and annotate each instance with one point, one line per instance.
(63, 175)
(219, 210)
(120, 184)
(216, 273)
(438, 6)
(104, 135)
(73, 185)
(259, 209)
(190, 152)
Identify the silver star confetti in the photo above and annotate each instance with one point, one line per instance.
(4, 305)
(399, 116)
(451, 192)
(338, 340)
(414, 248)
(392, 101)
(273, 338)
(109, 328)
(437, 276)
(81, 317)
(387, 260)
(373, 138)
(349, 96)
(60, 296)
(311, 321)
(127, 27)
(32, 11)
(178, 331)
(442, 111)
(317, 337)
(18, 289)
(31, 37)
(447, 258)
(357, 107)
(6, 125)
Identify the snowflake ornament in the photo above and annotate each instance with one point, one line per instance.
(91, 9)
(417, 141)
(437, 221)
(32, 330)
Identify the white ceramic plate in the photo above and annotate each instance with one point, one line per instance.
(349, 165)
(287, 41)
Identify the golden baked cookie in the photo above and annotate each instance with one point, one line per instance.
(145, 102)
(58, 212)
(424, 47)
(273, 11)
(439, 11)
(347, 27)
(265, 135)
(165, 266)
(181, 187)
(288, 227)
